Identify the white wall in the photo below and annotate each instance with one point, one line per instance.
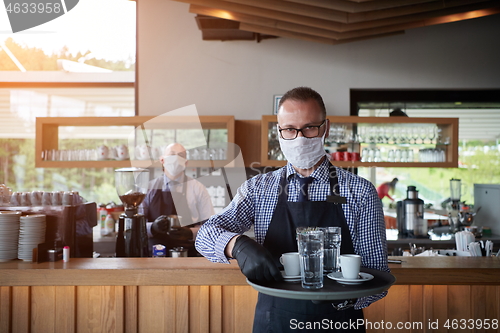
(176, 68)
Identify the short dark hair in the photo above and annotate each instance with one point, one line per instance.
(303, 94)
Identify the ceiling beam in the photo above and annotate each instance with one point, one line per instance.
(357, 7)
(266, 13)
(296, 8)
(301, 36)
(408, 10)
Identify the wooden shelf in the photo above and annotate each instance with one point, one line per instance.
(449, 127)
(47, 136)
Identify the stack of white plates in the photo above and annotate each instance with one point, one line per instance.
(9, 235)
(31, 233)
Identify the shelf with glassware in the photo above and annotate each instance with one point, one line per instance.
(377, 142)
(105, 140)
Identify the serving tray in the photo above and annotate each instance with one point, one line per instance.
(331, 290)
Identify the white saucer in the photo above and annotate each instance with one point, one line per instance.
(290, 277)
(337, 276)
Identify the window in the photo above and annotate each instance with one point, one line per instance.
(479, 133)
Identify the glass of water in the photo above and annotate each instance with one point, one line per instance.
(332, 241)
(310, 243)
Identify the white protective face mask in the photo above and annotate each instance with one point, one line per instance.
(303, 152)
(174, 164)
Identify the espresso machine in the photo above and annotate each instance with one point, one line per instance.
(132, 239)
(410, 215)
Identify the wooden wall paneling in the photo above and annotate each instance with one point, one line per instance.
(247, 136)
(459, 306)
(156, 309)
(43, 306)
(130, 301)
(416, 303)
(5, 309)
(375, 312)
(215, 306)
(21, 310)
(428, 307)
(440, 305)
(397, 305)
(228, 324)
(99, 309)
(245, 299)
(199, 309)
(182, 306)
(478, 300)
(65, 309)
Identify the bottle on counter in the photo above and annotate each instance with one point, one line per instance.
(102, 214)
(110, 225)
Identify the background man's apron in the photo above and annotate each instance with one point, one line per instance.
(275, 314)
(164, 203)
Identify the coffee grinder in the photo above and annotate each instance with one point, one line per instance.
(132, 239)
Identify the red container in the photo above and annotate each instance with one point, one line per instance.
(347, 156)
(338, 156)
(355, 156)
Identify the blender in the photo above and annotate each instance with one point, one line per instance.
(455, 195)
(132, 239)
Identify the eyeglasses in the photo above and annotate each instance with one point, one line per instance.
(308, 132)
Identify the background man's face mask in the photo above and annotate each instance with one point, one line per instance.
(174, 164)
(303, 152)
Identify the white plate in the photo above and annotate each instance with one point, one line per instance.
(290, 277)
(337, 276)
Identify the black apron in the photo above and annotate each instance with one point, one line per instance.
(164, 203)
(275, 314)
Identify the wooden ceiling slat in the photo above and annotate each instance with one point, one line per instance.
(259, 21)
(418, 17)
(266, 13)
(358, 7)
(296, 8)
(408, 10)
(310, 38)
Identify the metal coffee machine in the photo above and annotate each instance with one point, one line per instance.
(410, 215)
(132, 239)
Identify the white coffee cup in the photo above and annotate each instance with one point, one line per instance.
(57, 198)
(67, 198)
(102, 152)
(350, 265)
(142, 152)
(47, 198)
(25, 199)
(291, 263)
(122, 152)
(36, 198)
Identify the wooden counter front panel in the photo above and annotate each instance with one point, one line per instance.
(217, 309)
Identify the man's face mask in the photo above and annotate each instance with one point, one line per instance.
(303, 152)
(174, 164)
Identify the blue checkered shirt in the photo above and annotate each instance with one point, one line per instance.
(256, 199)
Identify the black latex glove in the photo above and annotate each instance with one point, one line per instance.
(160, 226)
(181, 233)
(255, 261)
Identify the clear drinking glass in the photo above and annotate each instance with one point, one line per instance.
(332, 239)
(310, 244)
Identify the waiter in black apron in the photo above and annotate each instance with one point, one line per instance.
(164, 200)
(303, 127)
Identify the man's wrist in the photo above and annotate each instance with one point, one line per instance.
(348, 303)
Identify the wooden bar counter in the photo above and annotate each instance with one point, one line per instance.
(194, 295)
